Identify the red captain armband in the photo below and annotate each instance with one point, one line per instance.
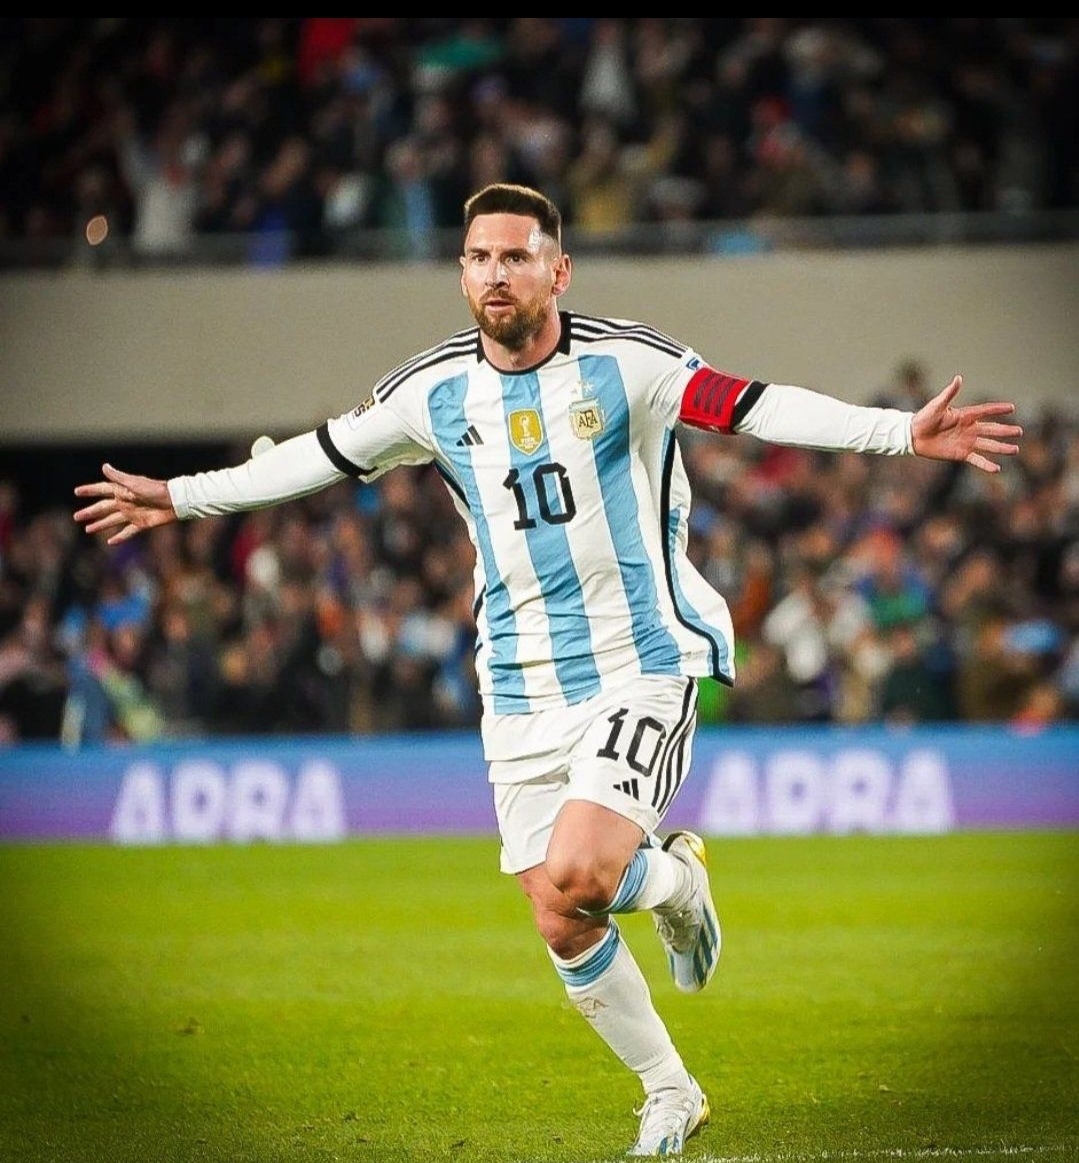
(710, 398)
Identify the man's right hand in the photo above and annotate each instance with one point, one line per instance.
(129, 504)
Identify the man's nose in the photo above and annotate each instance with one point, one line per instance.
(496, 274)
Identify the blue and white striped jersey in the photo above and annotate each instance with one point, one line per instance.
(570, 480)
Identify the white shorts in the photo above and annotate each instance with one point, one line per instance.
(628, 750)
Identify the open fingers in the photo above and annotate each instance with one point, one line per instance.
(97, 509)
(982, 411)
(108, 521)
(97, 489)
(946, 395)
(978, 461)
(1002, 430)
(985, 444)
(125, 534)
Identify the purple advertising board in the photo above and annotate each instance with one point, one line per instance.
(744, 781)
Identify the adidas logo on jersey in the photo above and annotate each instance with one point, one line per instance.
(629, 786)
(471, 436)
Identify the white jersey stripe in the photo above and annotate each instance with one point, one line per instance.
(656, 649)
(676, 522)
(446, 405)
(541, 486)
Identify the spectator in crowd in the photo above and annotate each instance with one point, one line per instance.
(32, 680)
(163, 175)
(912, 690)
(107, 698)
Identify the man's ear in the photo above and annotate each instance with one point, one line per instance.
(563, 275)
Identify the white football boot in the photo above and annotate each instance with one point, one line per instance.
(691, 934)
(668, 1118)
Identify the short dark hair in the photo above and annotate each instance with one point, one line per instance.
(508, 198)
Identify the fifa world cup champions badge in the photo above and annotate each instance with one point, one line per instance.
(526, 430)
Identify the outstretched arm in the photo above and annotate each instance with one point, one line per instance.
(971, 434)
(128, 504)
(788, 414)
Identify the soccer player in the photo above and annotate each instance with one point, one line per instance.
(557, 435)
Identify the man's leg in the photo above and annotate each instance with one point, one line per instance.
(601, 976)
(576, 839)
(590, 854)
(632, 759)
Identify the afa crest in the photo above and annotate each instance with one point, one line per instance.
(586, 419)
(526, 429)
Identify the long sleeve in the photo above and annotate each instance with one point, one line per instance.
(294, 468)
(786, 414)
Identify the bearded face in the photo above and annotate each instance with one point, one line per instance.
(512, 327)
(511, 275)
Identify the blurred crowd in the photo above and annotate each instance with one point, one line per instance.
(863, 589)
(297, 131)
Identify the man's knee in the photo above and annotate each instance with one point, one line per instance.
(589, 849)
(565, 930)
(588, 882)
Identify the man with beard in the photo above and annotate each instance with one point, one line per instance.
(556, 435)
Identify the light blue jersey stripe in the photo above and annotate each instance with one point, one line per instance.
(446, 403)
(656, 647)
(541, 486)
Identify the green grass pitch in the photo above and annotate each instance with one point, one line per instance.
(878, 999)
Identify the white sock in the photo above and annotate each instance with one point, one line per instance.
(653, 879)
(607, 988)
